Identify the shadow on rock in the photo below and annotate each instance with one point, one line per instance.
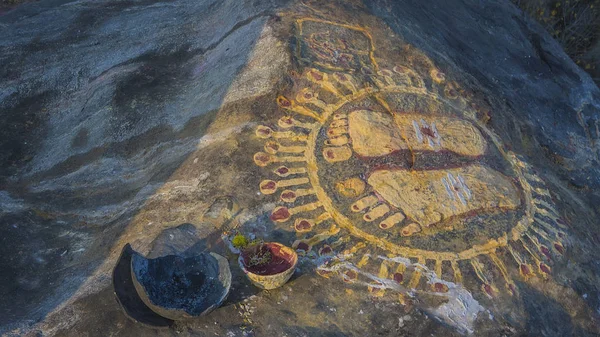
(545, 316)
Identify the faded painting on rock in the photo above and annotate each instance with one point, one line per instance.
(388, 171)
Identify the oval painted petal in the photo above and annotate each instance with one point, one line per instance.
(280, 214)
(545, 268)
(282, 171)
(263, 159)
(283, 102)
(268, 187)
(288, 196)
(264, 131)
(303, 225)
(559, 248)
(325, 250)
(271, 147)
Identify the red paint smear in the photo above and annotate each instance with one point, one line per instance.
(544, 268)
(398, 277)
(263, 158)
(351, 275)
(269, 185)
(303, 225)
(281, 213)
(264, 131)
(316, 76)
(399, 70)
(440, 287)
(325, 250)
(525, 269)
(283, 170)
(288, 195)
(284, 102)
(488, 289)
(273, 146)
(559, 248)
(546, 252)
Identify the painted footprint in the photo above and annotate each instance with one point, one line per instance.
(430, 197)
(376, 134)
(424, 198)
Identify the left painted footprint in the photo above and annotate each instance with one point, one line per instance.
(376, 134)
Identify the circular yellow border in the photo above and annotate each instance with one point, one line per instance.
(344, 222)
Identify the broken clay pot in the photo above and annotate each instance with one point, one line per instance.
(276, 271)
(127, 296)
(180, 288)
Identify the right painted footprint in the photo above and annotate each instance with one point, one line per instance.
(432, 196)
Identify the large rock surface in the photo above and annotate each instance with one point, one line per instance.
(123, 119)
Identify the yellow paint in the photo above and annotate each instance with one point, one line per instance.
(333, 230)
(363, 261)
(304, 208)
(336, 154)
(502, 268)
(355, 248)
(288, 122)
(416, 275)
(364, 203)
(376, 134)
(376, 213)
(352, 187)
(391, 221)
(337, 141)
(438, 268)
(457, 272)
(478, 268)
(425, 196)
(273, 147)
(289, 171)
(411, 229)
(301, 192)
